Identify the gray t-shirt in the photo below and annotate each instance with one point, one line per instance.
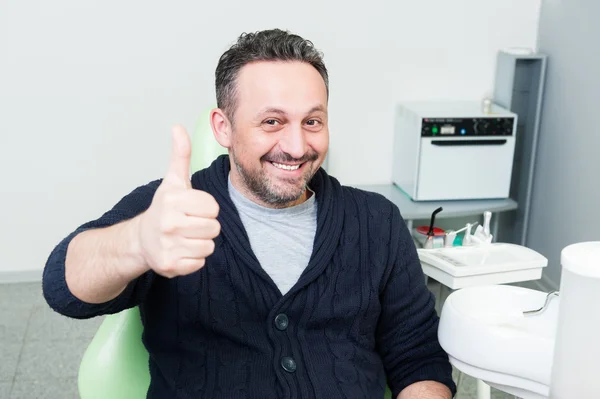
(281, 239)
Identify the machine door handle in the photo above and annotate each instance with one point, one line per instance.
(454, 143)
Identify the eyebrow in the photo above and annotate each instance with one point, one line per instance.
(271, 110)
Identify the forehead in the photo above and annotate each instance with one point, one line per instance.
(292, 85)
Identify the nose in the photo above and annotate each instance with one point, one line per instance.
(293, 142)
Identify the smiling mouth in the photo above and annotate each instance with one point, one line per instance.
(286, 167)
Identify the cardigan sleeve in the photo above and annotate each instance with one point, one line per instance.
(54, 286)
(407, 332)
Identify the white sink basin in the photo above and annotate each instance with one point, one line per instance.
(487, 336)
(482, 265)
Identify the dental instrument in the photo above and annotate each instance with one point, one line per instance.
(449, 238)
(467, 239)
(431, 233)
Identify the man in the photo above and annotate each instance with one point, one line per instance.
(261, 276)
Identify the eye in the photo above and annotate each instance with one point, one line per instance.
(271, 122)
(312, 122)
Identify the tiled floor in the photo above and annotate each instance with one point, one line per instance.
(40, 350)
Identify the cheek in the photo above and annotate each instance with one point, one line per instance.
(253, 146)
(319, 143)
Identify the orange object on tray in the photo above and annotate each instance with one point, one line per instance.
(425, 229)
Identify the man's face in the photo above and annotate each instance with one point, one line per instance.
(280, 134)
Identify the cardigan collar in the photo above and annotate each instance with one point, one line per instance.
(330, 212)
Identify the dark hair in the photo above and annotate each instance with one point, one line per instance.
(266, 45)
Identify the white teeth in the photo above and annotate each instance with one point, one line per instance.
(285, 167)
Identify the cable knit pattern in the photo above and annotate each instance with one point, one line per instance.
(360, 315)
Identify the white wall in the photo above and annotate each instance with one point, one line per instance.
(90, 89)
(566, 190)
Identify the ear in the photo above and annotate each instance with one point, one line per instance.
(221, 127)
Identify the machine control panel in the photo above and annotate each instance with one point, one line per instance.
(443, 127)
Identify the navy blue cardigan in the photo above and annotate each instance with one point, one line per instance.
(359, 316)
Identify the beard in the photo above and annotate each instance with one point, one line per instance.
(272, 191)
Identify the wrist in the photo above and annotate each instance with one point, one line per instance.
(135, 240)
(131, 238)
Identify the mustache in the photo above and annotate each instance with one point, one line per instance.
(285, 157)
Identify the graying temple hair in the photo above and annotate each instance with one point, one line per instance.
(267, 45)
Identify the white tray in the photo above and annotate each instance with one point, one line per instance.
(497, 263)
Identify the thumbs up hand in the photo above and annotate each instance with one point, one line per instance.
(176, 232)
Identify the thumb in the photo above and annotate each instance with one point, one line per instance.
(178, 173)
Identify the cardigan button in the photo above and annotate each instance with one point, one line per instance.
(281, 321)
(288, 364)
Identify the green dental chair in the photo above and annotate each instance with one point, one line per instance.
(115, 364)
